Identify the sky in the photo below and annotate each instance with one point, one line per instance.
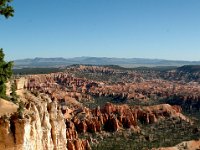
(164, 29)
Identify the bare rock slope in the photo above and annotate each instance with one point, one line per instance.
(41, 127)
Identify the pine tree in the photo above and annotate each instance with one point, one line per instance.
(5, 68)
(5, 73)
(13, 94)
(5, 9)
(20, 109)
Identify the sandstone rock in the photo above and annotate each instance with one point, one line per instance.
(82, 127)
(78, 144)
(189, 145)
(70, 145)
(36, 130)
(21, 83)
(112, 124)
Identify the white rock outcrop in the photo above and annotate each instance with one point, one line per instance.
(21, 83)
(42, 128)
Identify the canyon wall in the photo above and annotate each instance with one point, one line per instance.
(40, 127)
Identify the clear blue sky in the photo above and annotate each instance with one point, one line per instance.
(168, 29)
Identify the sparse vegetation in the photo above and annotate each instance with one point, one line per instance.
(20, 109)
(27, 71)
(162, 134)
(13, 94)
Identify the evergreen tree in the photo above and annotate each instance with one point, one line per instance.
(5, 68)
(5, 9)
(5, 73)
(20, 109)
(13, 94)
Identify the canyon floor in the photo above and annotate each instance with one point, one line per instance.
(83, 107)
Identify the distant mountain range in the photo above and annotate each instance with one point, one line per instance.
(125, 62)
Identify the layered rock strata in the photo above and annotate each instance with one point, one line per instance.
(42, 126)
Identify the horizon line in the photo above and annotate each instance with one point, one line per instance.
(108, 57)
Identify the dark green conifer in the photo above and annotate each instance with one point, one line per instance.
(5, 9)
(5, 73)
(5, 67)
(13, 94)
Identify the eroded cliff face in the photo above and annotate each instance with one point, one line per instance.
(41, 127)
(112, 118)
